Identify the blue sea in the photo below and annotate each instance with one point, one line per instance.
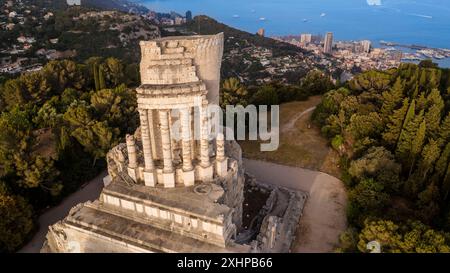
(422, 22)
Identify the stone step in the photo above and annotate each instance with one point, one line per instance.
(173, 50)
(184, 55)
(171, 69)
(181, 61)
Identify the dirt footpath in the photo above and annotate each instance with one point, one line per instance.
(90, 192)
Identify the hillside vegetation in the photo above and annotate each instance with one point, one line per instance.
(392, 131)
(56, 126)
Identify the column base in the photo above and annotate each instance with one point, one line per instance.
(222, 167)
(189, 177)
(107, 180)
(150, 179)
(132, 173)
(206, 173)
(169, 180)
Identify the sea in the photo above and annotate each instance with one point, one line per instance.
(410, 22)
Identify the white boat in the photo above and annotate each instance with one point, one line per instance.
(235, 16)
(323, 14)
(262, 18)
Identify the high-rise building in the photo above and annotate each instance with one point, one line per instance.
(328, 43)
(366, 46)
(188, 15)
(305, 38)
(261, 32)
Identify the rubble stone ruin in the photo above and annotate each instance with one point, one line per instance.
(179, 195)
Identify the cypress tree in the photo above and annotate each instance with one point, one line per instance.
(394, 127)
(96, 80)
(417, 144)
(444, 132)
(101, 78)
(391, 99)
(442, 162)
(446, 183)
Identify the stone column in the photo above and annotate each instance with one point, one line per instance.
(206, 169)
(168, 172)
(188, 171)
(204, 142)
(220, 147)
(192, 122)
(221, 159)
(146, 143)
(132, 156)
(186, 139)
(152, 132)
(149, 176)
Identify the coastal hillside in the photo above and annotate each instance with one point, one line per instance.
(252, 58)
(120, 5)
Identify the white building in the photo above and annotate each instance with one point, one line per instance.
(305, 38)
(366, 44)
(74, 2)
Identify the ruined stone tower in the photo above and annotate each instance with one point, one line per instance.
(162, 193)
(165, 193)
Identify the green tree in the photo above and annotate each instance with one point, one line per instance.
(366, 198)
(392, 99)
(379, 164)
(394, 127)
(233, 93)
(265, 96)
(413, 237)
(17, 221)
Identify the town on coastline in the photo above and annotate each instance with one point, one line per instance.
(362, 54)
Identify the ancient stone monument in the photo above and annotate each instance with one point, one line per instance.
(165, 194)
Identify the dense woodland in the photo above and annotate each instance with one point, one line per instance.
(56, 126)
(392, 131)
(233, 92)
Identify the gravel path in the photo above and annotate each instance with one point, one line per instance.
(90, 192)
(324, 215)
(291, 124)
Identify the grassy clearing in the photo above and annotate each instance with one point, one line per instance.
(301, 145)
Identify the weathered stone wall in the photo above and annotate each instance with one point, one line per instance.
(187, 55)
(282, 211)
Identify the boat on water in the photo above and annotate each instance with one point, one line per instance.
(305, 20)
(235, 16)
(262, 18)
(323, 14)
